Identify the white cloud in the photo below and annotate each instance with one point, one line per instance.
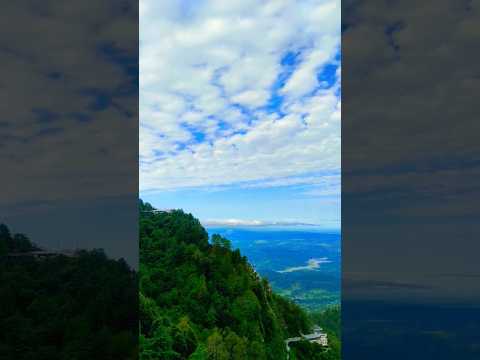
(251, 98)
(233, 222)
(304, 78)
(248, 223)
(206, 76)
(29, 147)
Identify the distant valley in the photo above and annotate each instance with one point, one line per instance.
(301, 262)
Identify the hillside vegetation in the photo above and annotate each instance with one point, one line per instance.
(203, 300)
(329, 320)
(14, 243)
(66, 308)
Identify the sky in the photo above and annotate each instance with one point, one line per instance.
(410, 167)
(240, 109)
(68, 125)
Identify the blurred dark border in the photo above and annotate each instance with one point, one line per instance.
(410, 165)
(69, 177)
(69, 124)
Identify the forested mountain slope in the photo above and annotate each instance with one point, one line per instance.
(201, 300)
(65, 308)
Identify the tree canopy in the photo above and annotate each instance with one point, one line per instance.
(66, 308)
(14, 243)
(201, 299)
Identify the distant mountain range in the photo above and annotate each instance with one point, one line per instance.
(241, 222)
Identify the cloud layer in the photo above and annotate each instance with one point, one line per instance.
(410, 164)
(239, 92)
(70, 94)
(242, 222)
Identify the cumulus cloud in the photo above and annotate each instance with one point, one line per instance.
(230, 93)
(70, 94)
(411, 160)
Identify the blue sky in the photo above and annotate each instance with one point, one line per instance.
(290, 204)
(240, 109)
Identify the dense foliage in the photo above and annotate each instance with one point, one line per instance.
(203, 300)
(329, 320)
(14, 243)
(67, 308)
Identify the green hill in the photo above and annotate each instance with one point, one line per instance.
(203, 300)
(14, 243)
(59, 308)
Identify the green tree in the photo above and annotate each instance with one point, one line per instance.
(216, 348)
(236, 346)
(21, 243)
(5, 239)
(62, 307)
(201, 299)
(185, 340)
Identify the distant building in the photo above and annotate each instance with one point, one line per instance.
(159, 211)
(317, 337)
